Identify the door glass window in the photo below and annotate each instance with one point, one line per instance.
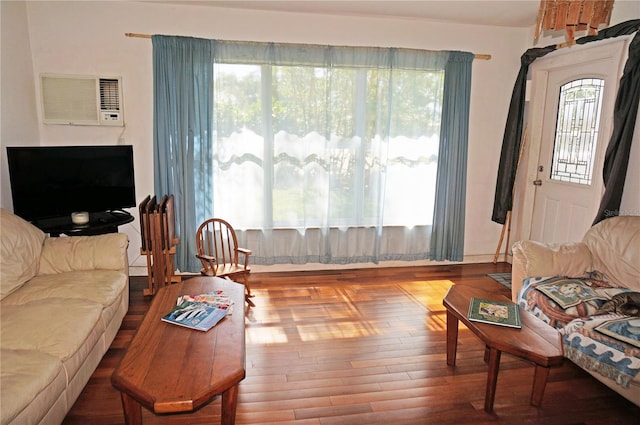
(577, 126)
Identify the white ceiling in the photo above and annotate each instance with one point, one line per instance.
(509, 13)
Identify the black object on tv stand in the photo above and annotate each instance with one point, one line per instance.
(99, 223)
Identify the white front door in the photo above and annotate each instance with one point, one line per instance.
(577, 92)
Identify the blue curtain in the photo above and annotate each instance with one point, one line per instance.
(183, 107)
(447, 236)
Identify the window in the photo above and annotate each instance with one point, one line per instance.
(344, 146)
(314, 153)
(577, 130)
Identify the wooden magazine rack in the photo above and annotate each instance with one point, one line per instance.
(157, 230)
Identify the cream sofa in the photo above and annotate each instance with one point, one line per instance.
(62, 301)
(604, 264)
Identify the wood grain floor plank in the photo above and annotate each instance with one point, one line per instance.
(366, 347)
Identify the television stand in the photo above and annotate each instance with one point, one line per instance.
(99, 223)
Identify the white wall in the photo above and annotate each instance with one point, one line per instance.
(88, 38)
(19, 122)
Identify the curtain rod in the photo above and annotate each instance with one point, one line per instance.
(482, 56)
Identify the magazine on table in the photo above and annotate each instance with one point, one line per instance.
(195, 315)
(215, 299)
(502, 313)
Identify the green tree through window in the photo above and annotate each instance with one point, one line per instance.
(303, 146)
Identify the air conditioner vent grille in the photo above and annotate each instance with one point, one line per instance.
(59, 105)
(109, 95)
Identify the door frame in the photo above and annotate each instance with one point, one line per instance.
(614, 49)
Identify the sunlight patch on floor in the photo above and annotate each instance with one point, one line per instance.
(428, 293)
(437, 322)
(265, 335)
(324, 331)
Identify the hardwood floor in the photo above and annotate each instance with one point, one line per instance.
(366, 347)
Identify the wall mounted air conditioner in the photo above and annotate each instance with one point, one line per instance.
(81, 100)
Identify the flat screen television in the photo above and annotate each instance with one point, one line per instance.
(54, 181)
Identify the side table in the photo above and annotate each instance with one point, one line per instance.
(536, 342)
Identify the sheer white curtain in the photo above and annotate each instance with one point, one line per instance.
(327, 154)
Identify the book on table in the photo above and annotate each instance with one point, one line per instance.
(195, 315)
(502, 313)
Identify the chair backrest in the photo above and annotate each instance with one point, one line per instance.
(216, 238)
(142, 208)
(147, 207)
(169, 223)
(166, 222)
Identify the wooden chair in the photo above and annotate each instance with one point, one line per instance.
(166, 239)
(220, 254)
(145, 209)
(157, 230)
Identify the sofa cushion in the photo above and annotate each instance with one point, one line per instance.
(614, 244)
(20, 249)
(99, 286)
(61, 255)
(28, 377)
(570, 259)
(69, 324)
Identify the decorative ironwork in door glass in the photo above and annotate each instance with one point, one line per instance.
(577, 127)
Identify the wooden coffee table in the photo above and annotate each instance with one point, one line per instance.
(172, 369)
(536, 342)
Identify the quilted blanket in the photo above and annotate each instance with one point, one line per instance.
(608, 344)
(586, 345)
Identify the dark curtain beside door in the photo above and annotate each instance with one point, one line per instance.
(512, 140)
(625, 112)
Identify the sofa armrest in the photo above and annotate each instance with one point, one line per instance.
(536, 259)
(64, 254)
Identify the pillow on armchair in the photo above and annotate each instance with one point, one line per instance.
(532, 258)
(559, 300)
(614, 244)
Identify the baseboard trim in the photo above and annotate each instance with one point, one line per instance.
(256, 268)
